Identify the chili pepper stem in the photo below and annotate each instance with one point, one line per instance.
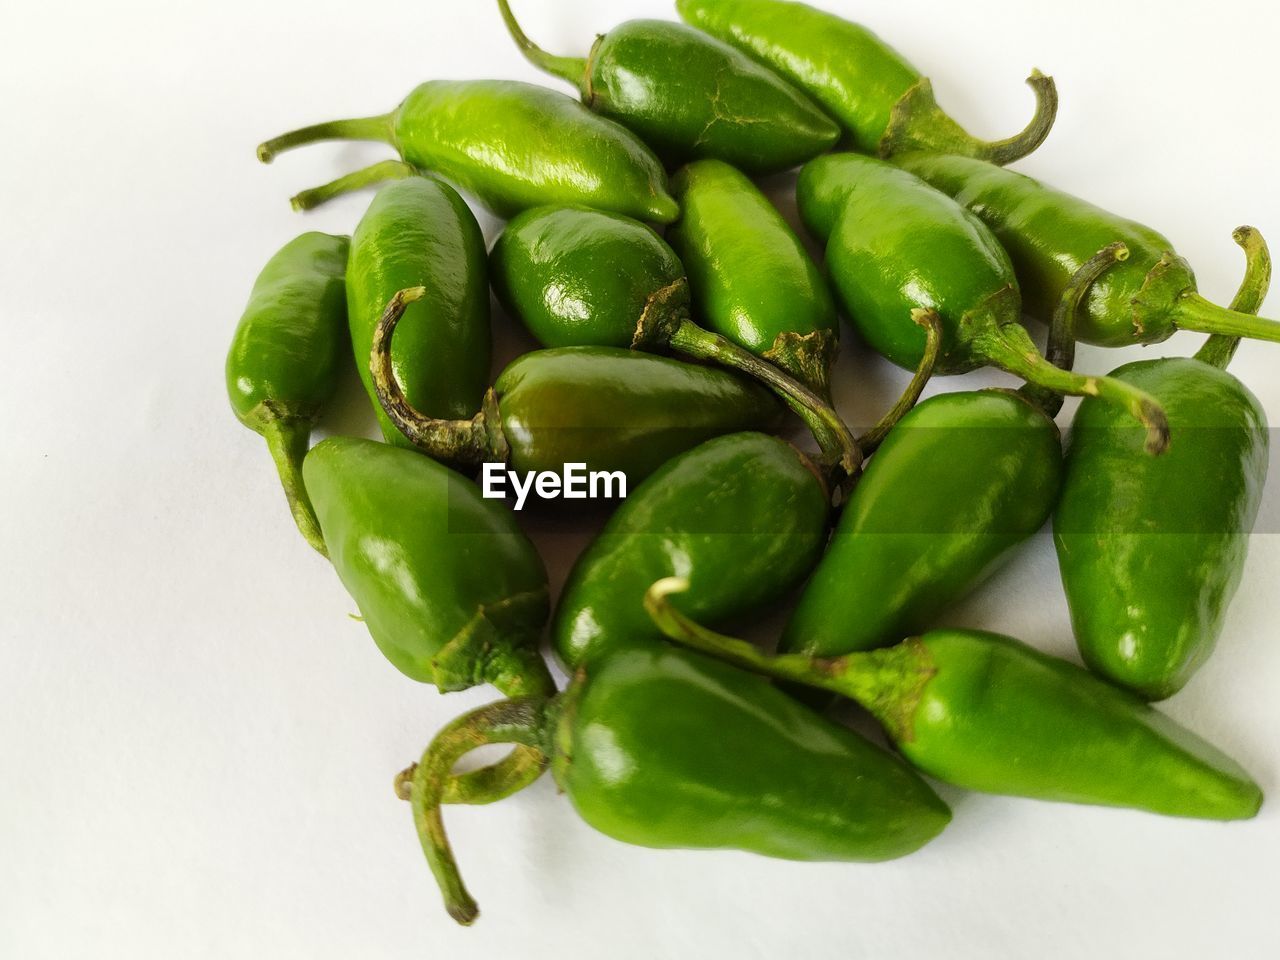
(1007, 345)
(360, 128)
(521, 767)
(377, 173)
(287, 439)
(932, 323)
(918, 123)
(570, 69)
(1061, 348)
(665, 320)
(889, 683)
(516, 721)
(1219, 349)
(462, 442)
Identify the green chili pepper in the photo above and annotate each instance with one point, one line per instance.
(1152, 550)
(512, 145)
(751, 278)
(452, 591)
(664, 748)
(285, 357)
(988, 713)
(895, 244)
(576, 276)
(745, 503)
(609, 409)
(689, 96)
(420, 232)
(882, 102)
(1048, 234)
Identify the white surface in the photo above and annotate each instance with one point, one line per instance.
(198, 744)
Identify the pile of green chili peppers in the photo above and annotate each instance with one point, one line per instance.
(680, 322)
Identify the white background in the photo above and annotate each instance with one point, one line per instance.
(197, 743)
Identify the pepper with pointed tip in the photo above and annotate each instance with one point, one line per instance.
(690, 96)
(895, 244)
(286, 355)
(883, 102)
(512, 145)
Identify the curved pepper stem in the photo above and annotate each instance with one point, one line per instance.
(372, 175)
(463, 442)
(1001, 341)
(918, 123)
(517, 721)
(360, 128)
(571, 69)
(1061, 348)
(1219, 349)
(665, 322)
(888, 683)
(870, 441)
(288, 439)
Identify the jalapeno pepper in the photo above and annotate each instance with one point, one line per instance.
(746, 502)
(609, 409)
(580, 276)
(1152, 550)
(988, 713)
(689, 95)
(420, 232)
(750, 276)
(664, 748)
(1048, 233)
(882, 102)
(512, 145)
(285, 357)
(895, 244)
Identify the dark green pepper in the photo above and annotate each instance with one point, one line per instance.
(585, 277)
(743, 517)
(882, 102)
(610, 409)
(1152, 549)
(419, 232)
(452, 591)
(512, 145)
(988, 713)
(689, 96)
(1048, 235)
(665, 748)
(285, 357)
(895, 244)
(750, 276)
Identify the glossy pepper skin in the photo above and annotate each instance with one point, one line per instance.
(881, 100)
(751, 278)
(689, 96)
(452, 591)
(896, 245)
(661, 747)
(420, 232)
(745, 503)
(986, 712)
(961, 481)
(1048, 235)
(511, 145)
(286, 356)
(1151, 552)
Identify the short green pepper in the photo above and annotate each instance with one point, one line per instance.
(689, 95)
(419, 232)
(512, 145)
(285, 357)
(664, 748)
(1152, 549)
(883, 102)
(988, 713)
